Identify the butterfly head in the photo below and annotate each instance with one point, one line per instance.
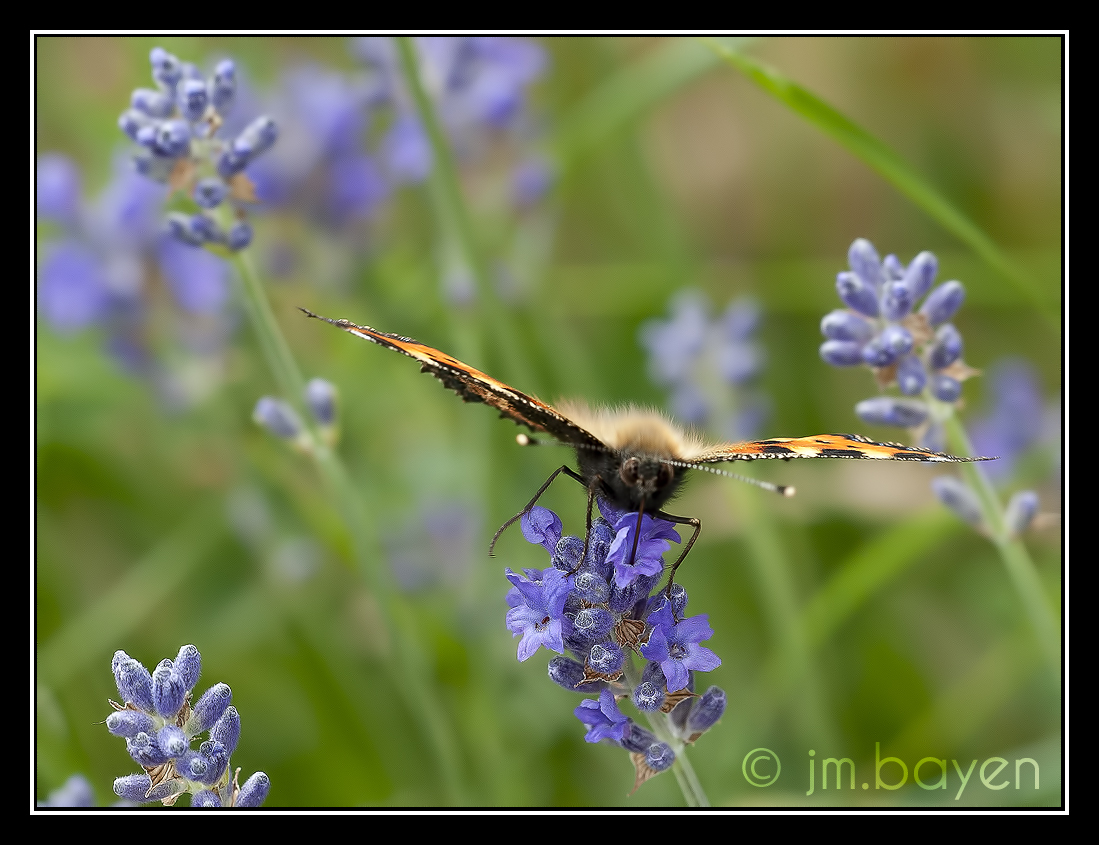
(630, 479)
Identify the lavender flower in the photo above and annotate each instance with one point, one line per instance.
(580, 608)
(179, 128)
(159, 724)
(919, 351)
(709, 364)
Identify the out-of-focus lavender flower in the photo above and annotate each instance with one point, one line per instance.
(75, 792)
(179, 128)
(919, 351)
(709, 364)
(57, 188)
(438, 545)
(158, 722)
(594, 623)
(1022, 430)
(1017, 419)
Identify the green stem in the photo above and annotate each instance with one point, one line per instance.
(406, 666)
(685, 776)
(1020, 568)
(456, 221)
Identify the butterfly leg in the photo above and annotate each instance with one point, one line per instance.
(679, 520)
(562, 469)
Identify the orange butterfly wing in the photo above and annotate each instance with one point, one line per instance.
(821, 446)
(474, 386)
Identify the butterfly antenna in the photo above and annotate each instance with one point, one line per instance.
(786, 490)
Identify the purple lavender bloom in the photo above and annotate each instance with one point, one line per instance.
(254, 791)
(896, 342)
(75, 792)
(542, 526)
(603, 718)
(57, 188)
(690, 354)
(72, 288)
(651, 545)
(540, 615)
(675, 646)
(1017, 419)
(154, 737)
(596, 626)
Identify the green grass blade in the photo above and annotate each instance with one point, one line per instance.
(870, 568)
(890, 165)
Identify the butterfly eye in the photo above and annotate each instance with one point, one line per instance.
(631, 471)
(664, 475)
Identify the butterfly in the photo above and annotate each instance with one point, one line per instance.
(635, 459)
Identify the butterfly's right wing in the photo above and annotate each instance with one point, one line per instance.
(474, 386)
(821, 446)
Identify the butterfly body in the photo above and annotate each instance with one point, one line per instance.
(635, 458)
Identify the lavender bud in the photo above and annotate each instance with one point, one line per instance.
(320, 398)
(209, 708)
(659, 756)
(606, 658)
(958, 497)
(277, 417)
(943, 302)
(145, 750)
(226, 730)
(257, 137)
(217, 758)
(648, 697)
(194, 766)
(179, 227)
(863, 260)
(129, 723)
(886, 410)
(843, 325)
(566, 556)
(945, 388)
(706, 711)
(920, 274)
(841, 353)
(254, 792)
(205, 799)
(947, 348)
(152, 103)
(896, 300)
(1021, 511)
(892, 268)
(567, 673)
(173, 138)
(167, 69)
(593, 623)
(193, 99)
(189, 665)
(637, 739)
(590, 587)
(857, 294)
(172, 741)
(135, 787)
(168, 690)
(210, 192)
(240, 235)
(224, 85)
(911, 376)
(135, 684)
(679, 600)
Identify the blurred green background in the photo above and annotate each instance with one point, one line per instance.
(859, 612)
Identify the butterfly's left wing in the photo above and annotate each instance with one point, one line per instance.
(474, 386)
(821, 446)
